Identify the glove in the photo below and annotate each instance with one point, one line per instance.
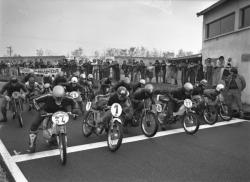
(7, 98)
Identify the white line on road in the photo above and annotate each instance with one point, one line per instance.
(38, 155)
(11, 164)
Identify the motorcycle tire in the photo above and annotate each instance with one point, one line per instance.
(19, 116)
(208, 120)
(195, 122)
(62, 146)
(147, 123)
(228, 116)
(114, 147)
(86, 129)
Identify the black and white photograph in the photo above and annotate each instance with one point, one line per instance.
(124, 90)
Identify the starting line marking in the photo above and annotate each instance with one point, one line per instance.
(78, 148)
(11, 164)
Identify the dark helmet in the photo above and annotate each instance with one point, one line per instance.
(122, 93)
(13, 79)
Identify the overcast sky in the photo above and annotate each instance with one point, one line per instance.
(64, 25)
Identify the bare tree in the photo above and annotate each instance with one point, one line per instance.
(39, 52)
(78, 53)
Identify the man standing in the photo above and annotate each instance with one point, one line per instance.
(163, 68)
(157, 69)
(235, 84)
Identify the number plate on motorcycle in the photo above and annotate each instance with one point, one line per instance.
(60, 118)
(74, 94)
(188, 103)
(158, 107)
(116, 110)
(88, 106)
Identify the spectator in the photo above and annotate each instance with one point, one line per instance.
(163, 68)
(150, 72)
(157, 70)
(226, 71)
(200, 73)
(235, 84)
(142, 69)
(125, 68)
(217, 70)
(209, 70)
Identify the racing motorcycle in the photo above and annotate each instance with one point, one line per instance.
(17, 107)
(146, 119)
(32, 96)
(93, 123)
(206, 108)
(54, 125)
(186, 114)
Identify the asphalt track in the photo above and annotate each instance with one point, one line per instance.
(213, 154)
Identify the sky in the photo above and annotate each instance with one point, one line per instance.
(61, 26)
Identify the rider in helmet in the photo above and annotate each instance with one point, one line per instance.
(120, 97)
(32, 86)
(60, 79)
(200, 87)
(125, 83)
(47, 79)
(75, 86)
(106, 84)
(213, 93)
(140, 84)
(12, 86)
(31, 74)
(51, 103)
(177, 97)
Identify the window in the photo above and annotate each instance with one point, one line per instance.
(245, 17)
(221, 26)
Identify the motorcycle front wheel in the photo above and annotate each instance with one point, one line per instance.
(149, 124)
(225, 112)
(115, 136)
(86, 128)
(190, 123)
(62, 145)
(19, 114)
(210, 115)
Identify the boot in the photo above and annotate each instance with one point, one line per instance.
(32, 141)
(4, 119)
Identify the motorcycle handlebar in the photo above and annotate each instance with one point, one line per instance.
(50, 114)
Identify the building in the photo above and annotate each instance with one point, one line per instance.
(226, 32)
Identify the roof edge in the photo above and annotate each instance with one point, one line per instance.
(211, 7)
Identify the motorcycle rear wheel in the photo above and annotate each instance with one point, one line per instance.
(62, 145)
(114, 144)
(225, 112)
(190, 123)
(86, 128)
(210, 115)
(149, 124)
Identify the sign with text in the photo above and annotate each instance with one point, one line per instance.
(40, 71)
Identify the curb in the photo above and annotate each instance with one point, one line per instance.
(13, 171)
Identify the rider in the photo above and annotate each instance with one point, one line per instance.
(213, 93)
(33, 86)
(59, 79)
(140, 84)
(200, 87)
(120, 97)
(106, 84)
(75, 86)
(177, 97)
(12, 86)
(47, 79)
(125, 83)
(57, 101)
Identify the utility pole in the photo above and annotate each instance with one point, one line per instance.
(10, 50)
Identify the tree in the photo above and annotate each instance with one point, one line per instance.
(78, 53)
(96, 54)
(181, 53)
(168, 54)
(39, 52)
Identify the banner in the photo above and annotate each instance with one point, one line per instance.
(40, 71)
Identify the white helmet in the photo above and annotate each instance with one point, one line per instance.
(142, 81)
(188, 86)
(83, 76)
(220, 87)
(90, 76)
(74, 80)
(58, 94)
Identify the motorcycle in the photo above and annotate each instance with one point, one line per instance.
(92, 123)
(206, 108)
(32, 96)
(224, 109)
(17, 107)
(186, 114)
(146, 119)
(54, 124)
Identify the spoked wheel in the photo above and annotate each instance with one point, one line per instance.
(225, 112)
(86, 128)
(149, 124)
(115, 136)
(210, 115)
(190, 123)
(62, 146)
(19, 115)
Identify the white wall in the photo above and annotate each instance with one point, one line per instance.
(231, 45)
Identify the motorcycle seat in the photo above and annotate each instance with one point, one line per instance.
(164, 99)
